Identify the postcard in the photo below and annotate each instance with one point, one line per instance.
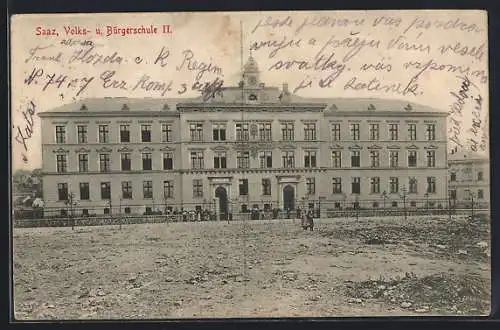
(250, 164)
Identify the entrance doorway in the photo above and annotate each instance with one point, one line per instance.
(288, 198)
(221, 194)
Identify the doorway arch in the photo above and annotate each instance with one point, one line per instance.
(288, 198)
(221, 194)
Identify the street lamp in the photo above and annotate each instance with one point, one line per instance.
(319, 205)
(472, 205)
(403, 197)
(384, 198)
(70, 201)
(356, 204)
(344, 197)
(427, 202)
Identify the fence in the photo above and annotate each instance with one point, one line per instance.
(235, 211)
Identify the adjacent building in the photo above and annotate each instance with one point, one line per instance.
(248, 146)
(469, 178)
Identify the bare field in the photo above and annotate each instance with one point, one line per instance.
(272, 268)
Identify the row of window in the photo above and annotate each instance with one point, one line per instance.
(243, 160)
(468, 194)
(261, 131)
(393, 131)
(467, 176)
(124, 137)
(310, 185)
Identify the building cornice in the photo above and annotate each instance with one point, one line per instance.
(147, 114)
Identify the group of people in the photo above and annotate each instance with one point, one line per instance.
(192, 215)
(183, 215)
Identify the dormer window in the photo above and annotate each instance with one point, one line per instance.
(125, 107)
(252, 97)
(83, 107)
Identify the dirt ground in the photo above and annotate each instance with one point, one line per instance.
(272, 268)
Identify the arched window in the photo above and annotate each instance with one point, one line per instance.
(252, 97)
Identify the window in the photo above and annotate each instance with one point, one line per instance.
(146, 133)
(480, 194)
(266, 159)
(168, 160)
(124, 133)
(242, 133)
(393, 132)
(413, 186)
(355, 159)
(104, 163)
(243, 187)
(147, 164)
(219, 132)
(197, 188)
(82, 133)
(83, 162)
(453, 177)
(356, 185)
(127, 189)
(412, 158)
(62, 191)
(168, 189)
(105, 190)
(287, 132)
(394, 158)
(336, 132)
(197, 160)
(375, 185)
(166, 132)
(103, 134)
(243, 159)
(310, 186)
(60, 134)
(412, 131)
(355, 131)
(265, 133)
(374, 132)
(375, 204)
(62, 163)
(147, 189)
(394, 185)
(480, 176)
(467, 194)
(288, 159)
(220, 160)
(127, 210)
(431, 185)
(84, 191)
(336, 159)
(310, 131)
(394, 204)
(431, 158)
(453, 194)
(126, 162)
(106, 211)
(337, 185)
(374, 158)
(430, 132)
(310, 159)
(266, 187)
(196, 132)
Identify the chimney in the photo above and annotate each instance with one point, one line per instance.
(285, 88)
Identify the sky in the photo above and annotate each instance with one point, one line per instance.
(444, 38)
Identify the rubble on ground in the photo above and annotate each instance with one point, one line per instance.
(438, 293)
